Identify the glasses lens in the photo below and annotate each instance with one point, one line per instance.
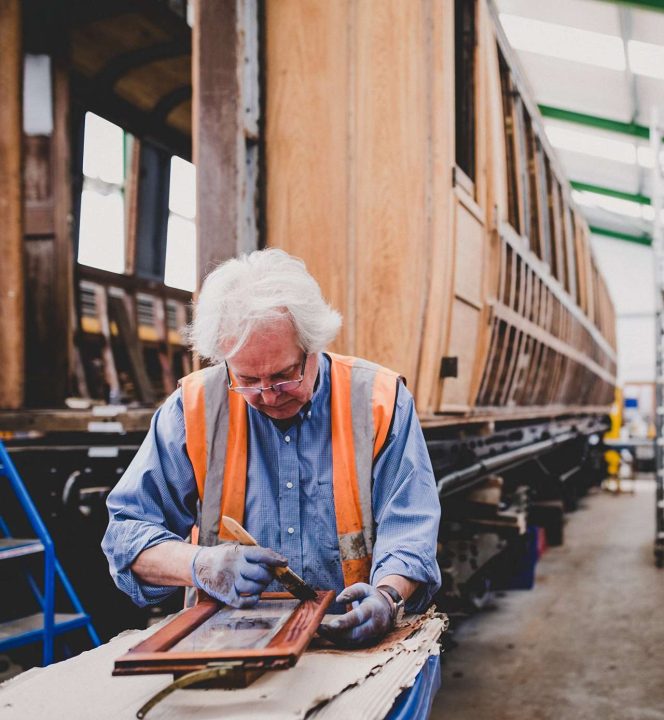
(287, 386)
(249, 391)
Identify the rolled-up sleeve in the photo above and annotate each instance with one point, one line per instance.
(406, 507)
(154, 501)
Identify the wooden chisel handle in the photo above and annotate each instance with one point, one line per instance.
(289, 579)
(237, 531)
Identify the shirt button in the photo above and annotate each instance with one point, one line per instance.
(308, 414)
(291, 531)
(289, 485)
(287, 438)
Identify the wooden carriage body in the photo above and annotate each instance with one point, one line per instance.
(453, 252)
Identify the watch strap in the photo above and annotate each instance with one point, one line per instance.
(397, 600)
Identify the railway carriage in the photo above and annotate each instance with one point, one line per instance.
(393, 145)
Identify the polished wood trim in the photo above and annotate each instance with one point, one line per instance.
(153, 654)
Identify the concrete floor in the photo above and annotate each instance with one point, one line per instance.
(587, 642)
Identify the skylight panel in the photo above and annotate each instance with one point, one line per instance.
(587, 143)
(617, 206)
(564, 42)
(628, 208)
(646, 58)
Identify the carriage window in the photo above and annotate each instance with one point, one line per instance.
(101, 241)
(464, 50)
(508, 95)
(181, 234)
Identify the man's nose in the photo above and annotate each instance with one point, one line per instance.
(269, 396)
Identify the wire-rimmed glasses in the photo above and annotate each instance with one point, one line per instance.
(280, 387)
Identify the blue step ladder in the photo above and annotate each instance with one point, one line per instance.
(41, 626)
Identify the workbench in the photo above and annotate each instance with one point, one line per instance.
(326, 683)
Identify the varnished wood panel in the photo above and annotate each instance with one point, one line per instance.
(11, 230)
(413, 262)
(308, 125)
(438, 311)
(390, 161)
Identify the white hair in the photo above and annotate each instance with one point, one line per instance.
(257, 290)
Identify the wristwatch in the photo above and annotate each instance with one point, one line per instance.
(398, 605)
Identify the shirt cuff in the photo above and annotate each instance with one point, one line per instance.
(429, 579)
(142, 593)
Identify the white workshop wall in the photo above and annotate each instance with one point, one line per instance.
(628, 269)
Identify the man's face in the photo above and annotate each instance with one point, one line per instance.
(271, 355)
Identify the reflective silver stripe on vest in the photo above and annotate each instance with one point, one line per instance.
(216, 426)
(362, 381)
(352, 546)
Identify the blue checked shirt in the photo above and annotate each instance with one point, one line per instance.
(289, 498)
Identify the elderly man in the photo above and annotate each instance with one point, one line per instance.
(320, 457)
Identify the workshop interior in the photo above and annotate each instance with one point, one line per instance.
(477, 187)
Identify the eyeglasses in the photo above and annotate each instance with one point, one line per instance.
(280, 387)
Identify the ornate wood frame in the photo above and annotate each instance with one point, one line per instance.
(154, 655)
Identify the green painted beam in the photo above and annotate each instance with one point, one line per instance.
(640, 131)
(610, 192)
(642, 4)
(639, 239)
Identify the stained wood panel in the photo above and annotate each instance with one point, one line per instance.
(11, 230)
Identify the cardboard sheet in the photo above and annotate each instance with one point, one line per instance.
(325, 681)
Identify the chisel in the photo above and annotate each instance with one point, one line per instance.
(289, 579)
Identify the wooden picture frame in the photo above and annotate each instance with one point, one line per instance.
(283, 628)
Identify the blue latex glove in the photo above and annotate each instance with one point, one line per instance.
(235, 574)
(365, 624)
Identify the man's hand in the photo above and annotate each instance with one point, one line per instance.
(367, 623)
(235, 574)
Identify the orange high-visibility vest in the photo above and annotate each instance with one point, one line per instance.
(363, 397)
